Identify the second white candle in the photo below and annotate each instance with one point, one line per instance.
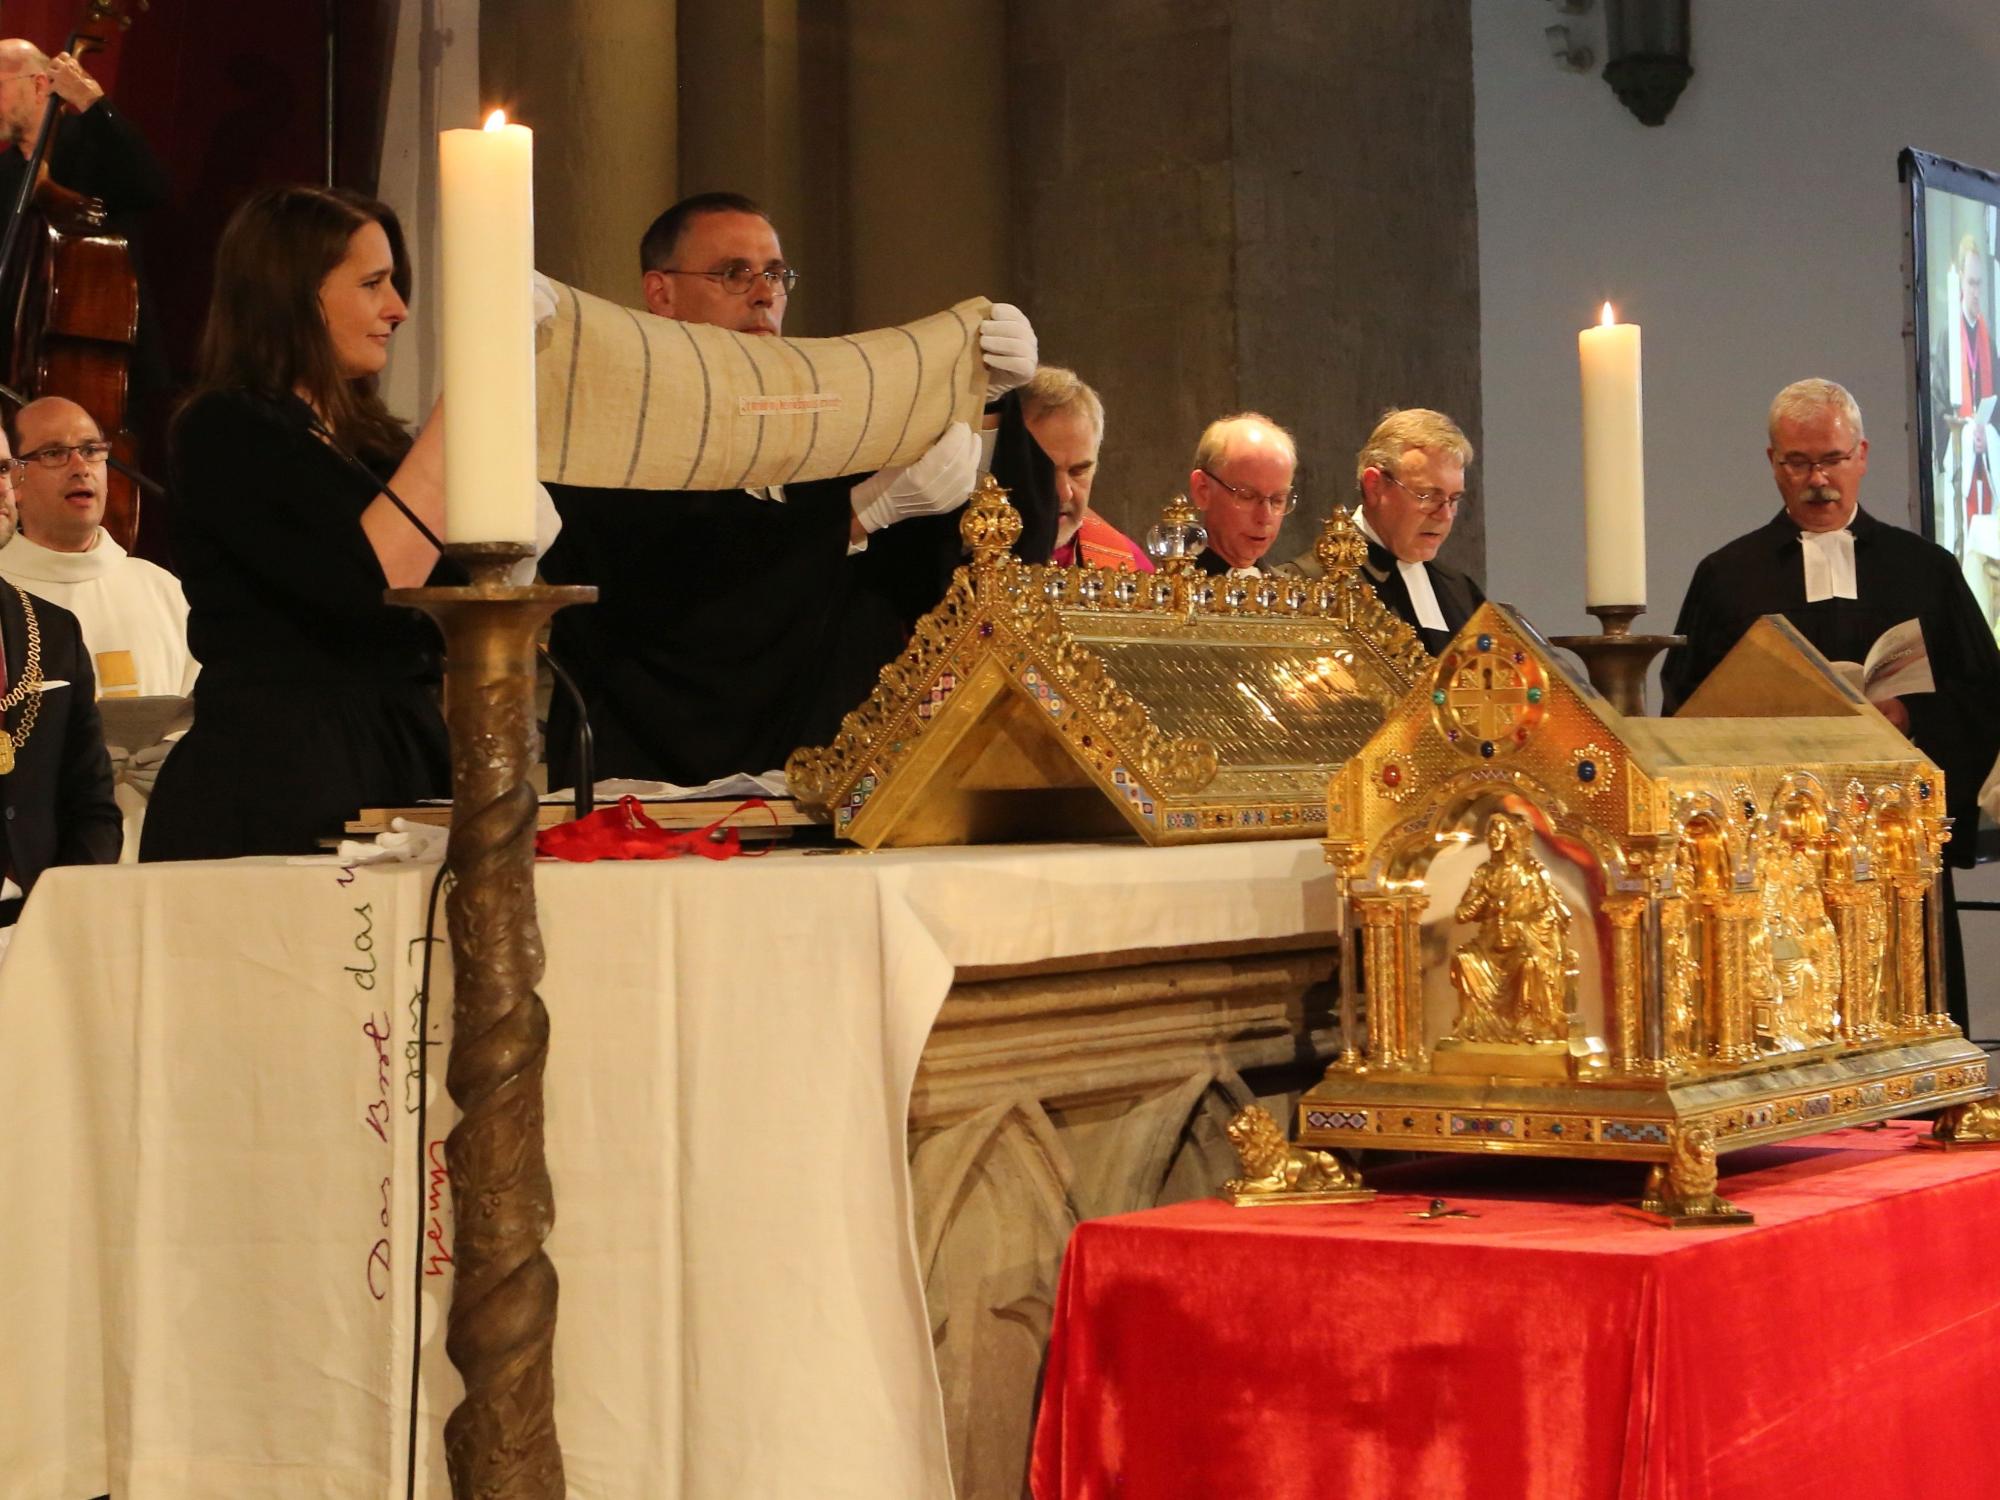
(1614, 467)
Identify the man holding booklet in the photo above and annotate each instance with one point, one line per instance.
(1890, 608)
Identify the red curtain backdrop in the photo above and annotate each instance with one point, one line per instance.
(1847, 1344)
(231, 95)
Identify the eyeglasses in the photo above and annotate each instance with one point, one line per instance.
(1284, 502)
(56, 455)
(1800, 467)
(739, 276)
(12, 471)
(1430, 502)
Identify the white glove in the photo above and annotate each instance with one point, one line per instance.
(1007, 344)
(404, 843)
(941, 480)
(142, 769)
(545, 299)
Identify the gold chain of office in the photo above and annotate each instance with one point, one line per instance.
(28, 691)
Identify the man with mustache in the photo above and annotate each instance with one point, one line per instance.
(1842, 578)
(734, 626)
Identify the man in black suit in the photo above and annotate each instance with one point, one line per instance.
(732, 627)
(56, 802)
(1411, 472)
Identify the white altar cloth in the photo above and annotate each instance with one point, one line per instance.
(214, 1195)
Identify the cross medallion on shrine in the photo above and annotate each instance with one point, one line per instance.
(1488, 699)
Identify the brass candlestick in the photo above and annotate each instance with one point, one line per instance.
(500, 1441)
(1617, 660)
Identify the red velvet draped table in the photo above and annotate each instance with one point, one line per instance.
(1847, 1345)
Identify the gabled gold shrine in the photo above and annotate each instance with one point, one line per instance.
(1587, 935)
(1042, 702)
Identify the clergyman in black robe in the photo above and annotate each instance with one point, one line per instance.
(1792, 566)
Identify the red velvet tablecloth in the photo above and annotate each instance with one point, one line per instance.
(1845, 1347)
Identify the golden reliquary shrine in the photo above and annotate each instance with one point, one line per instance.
(1583, 934)
(1048, 702)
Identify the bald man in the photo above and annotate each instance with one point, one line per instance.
(1242, 485)
(133, 614)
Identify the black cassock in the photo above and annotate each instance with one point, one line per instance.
(1457, 595)
(730, 629)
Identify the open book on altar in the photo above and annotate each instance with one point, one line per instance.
(1898, 664)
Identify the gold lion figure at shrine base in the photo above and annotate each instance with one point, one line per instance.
(1275, 1171)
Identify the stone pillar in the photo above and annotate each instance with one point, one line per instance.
(1249, 203)
(596, 80)
(926, 211)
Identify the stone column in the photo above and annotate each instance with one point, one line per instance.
(596, 80)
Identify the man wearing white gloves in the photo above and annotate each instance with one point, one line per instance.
(734, 626)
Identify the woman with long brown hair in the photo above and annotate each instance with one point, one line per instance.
(315, 698)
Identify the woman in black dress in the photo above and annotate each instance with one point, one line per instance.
(315, 697)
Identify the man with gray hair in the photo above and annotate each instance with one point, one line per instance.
(1066, 418)
(1843, 579)
(1242, 485)
(1411, 474)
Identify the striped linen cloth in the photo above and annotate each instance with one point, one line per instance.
(627, 400)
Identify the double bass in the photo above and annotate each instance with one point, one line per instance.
(71, 298)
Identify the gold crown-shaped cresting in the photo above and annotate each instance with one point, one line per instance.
(1341, 547)
(1179, 512)
(990, 525)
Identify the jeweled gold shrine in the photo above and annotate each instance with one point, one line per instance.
(1590, 935)
(1047, 702)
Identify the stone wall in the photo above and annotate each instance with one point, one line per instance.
(1264, 204)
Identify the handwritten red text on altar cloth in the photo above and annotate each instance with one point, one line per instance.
(376, 1113)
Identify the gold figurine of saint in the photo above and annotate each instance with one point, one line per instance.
(1513, 979)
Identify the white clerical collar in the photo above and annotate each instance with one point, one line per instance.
(44, 565)
(1416, 578)
(1829, 563)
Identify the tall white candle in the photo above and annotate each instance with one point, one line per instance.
(1614, 468)
(486, 220)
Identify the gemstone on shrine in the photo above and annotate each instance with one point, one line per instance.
(1437, 696)
(1586, 770)
(1485, 643)
(1520, 736)
(1534, 695)
(1392, 775)
(1924, 790)
(985, 629)
(1086, 742)
(1520, 656)
(1486, 748)
(1452, 735)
